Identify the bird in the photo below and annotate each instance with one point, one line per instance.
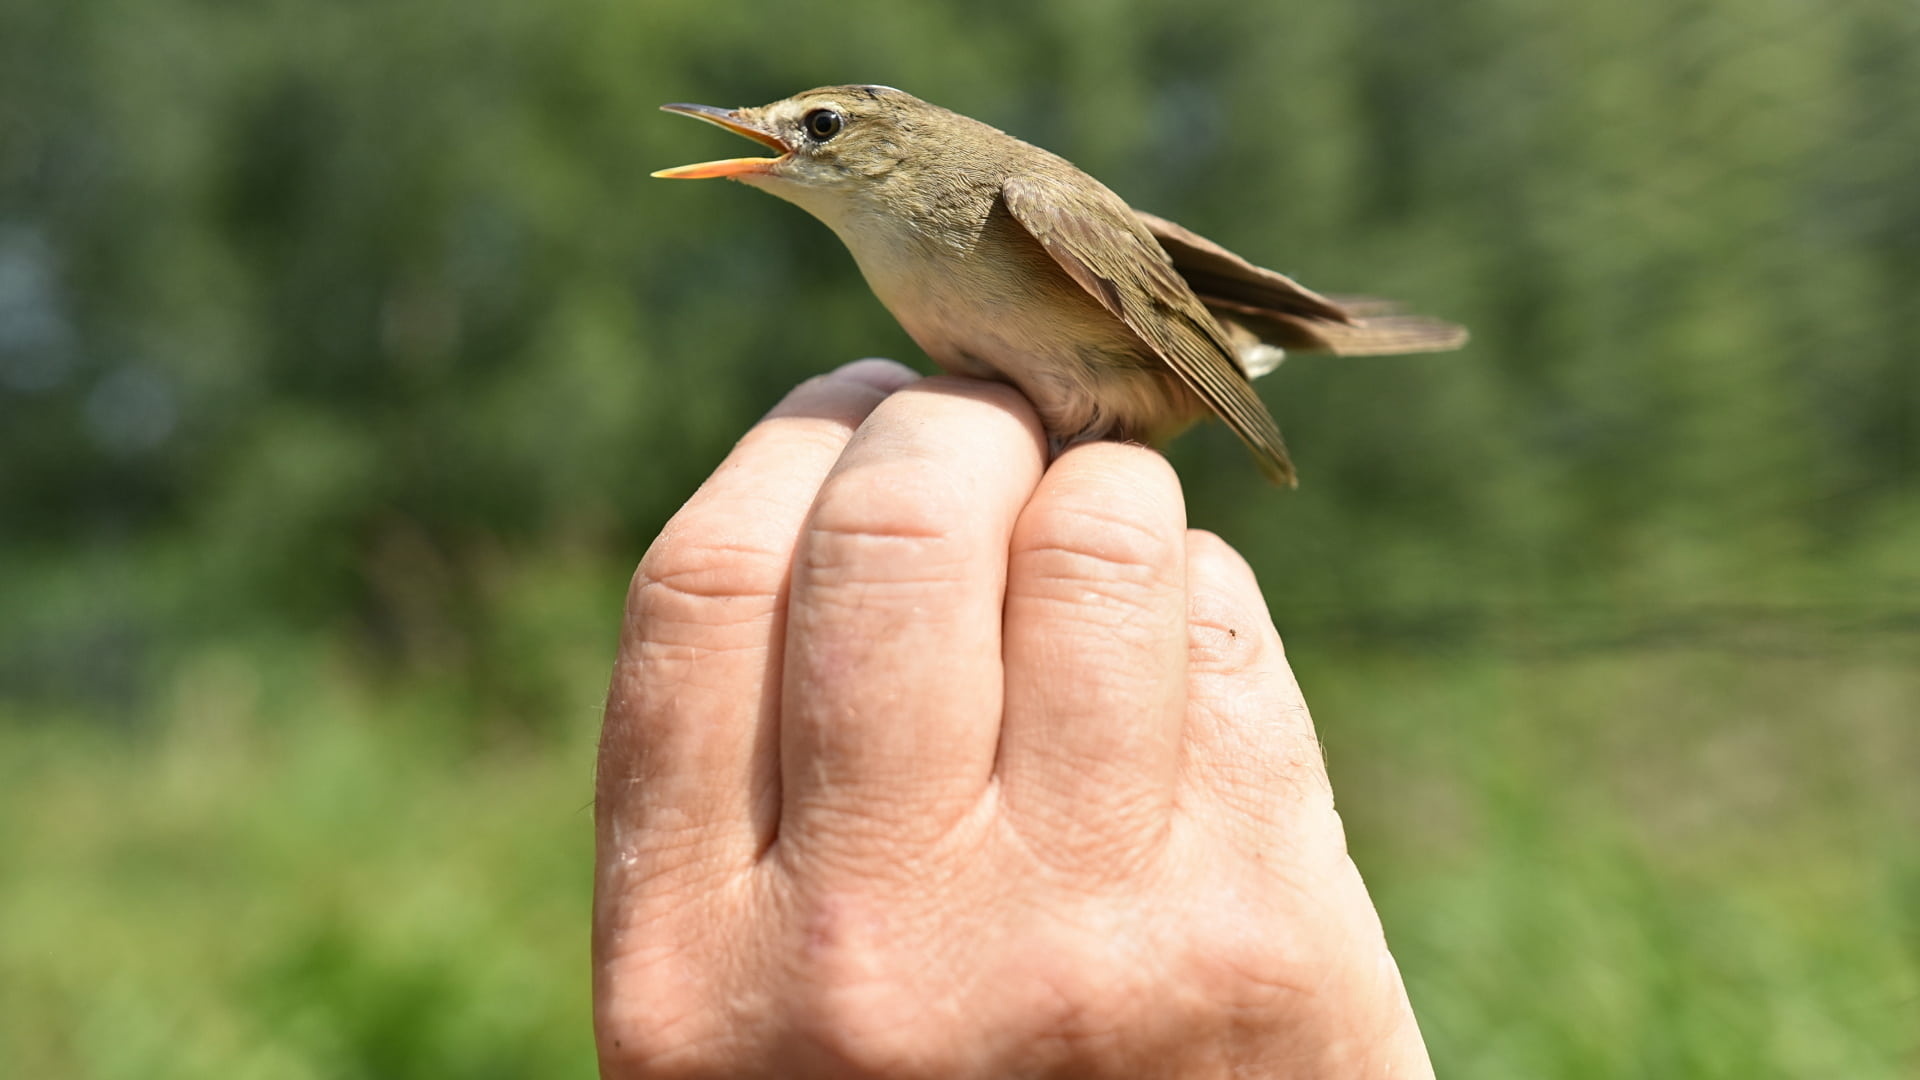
(1004, 261)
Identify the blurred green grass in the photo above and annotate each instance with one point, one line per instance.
(295, 865)
(1647, 862)
(1643, 862)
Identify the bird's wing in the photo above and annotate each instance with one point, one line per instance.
(1283, 312)
(1218, 274)
(1114, 258)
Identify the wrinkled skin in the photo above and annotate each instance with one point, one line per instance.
(925, 759)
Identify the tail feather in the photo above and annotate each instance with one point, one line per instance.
(1263, 337)
(1388, 334)
(1267, 313)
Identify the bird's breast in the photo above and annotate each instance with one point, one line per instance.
(986, 295)
(991, 303)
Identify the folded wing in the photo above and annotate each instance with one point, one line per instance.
(1116, 262)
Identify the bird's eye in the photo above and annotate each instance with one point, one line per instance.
(824, 124)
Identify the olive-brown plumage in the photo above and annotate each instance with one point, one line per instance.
(1004, 261)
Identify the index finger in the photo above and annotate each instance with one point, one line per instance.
(701, 643)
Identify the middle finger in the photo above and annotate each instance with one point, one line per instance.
(891, 705)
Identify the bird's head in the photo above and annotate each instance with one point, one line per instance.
(825, 138)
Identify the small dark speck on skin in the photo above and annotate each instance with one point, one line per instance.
(1232, 633)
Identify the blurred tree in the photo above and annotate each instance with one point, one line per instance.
(352, 302)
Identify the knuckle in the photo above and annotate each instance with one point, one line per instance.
(703, 580)
(1230, 631)
(1224, 640)
(857, 1003)
(869, 1029)
(657, 1013)
(1080, 991)
(884, 522)
(666, 1045)
(1091, 537)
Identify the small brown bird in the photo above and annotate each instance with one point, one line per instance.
(1006, 262)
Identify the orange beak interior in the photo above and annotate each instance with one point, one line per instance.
(729, 119)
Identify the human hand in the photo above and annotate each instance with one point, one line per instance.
(923, 758)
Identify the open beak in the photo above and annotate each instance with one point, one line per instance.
(729, 119)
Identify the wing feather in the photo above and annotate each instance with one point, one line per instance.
(1283, 312)
(1103, 247)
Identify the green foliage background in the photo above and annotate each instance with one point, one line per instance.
(348, 361)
